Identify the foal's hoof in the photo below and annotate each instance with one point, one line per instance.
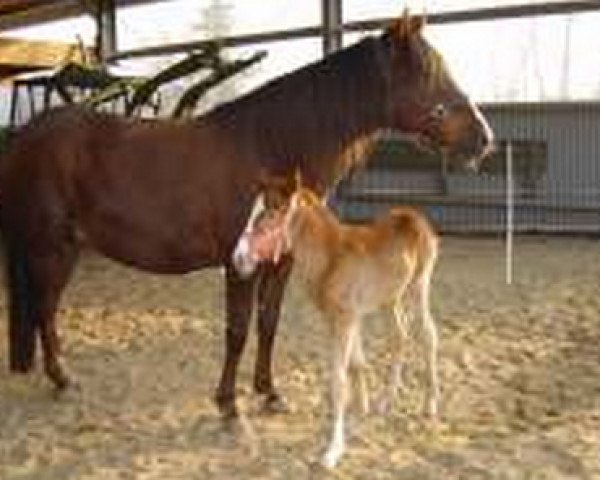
(383, 405)
(331, 458)
(275, 404)
(431, 410)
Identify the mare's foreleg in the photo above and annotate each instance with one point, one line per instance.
(271, 287)
(239, 300)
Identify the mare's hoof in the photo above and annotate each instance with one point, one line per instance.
(63, 383)
(73, 393)
(68, 390)
(62, 380)
(275, 404)
(229, 412)
(227, 407)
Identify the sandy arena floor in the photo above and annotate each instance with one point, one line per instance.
(520, 368)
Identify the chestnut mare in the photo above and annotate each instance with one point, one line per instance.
(351, 271)
(173, 196)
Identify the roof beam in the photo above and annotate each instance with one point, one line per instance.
(40, 14)
(492, 13)
(21, 54)
(44, 12)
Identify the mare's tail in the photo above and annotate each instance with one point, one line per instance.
(22, 322)
(23, 318)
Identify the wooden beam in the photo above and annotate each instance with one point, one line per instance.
(44, 12)
(492, 13)
(18, 54)
(39, 14)
(394, 196)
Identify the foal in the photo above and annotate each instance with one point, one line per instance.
(350, 271)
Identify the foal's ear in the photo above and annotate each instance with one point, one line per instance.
(272, 181)
(297, 179)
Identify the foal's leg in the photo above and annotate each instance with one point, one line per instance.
(50, 271)
(239, 298)
(430, 343)
(344, 335)
(402, 312)
(357, 368)
(395, 381)
(270, 292)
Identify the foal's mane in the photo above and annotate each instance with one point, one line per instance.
(310, 202)
(309, 117)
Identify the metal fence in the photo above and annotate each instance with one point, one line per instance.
(555, 178)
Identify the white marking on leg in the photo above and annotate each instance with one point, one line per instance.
(241, 258)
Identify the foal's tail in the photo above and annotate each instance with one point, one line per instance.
(418, 237)
(22, 322)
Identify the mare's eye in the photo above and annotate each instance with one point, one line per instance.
(440, 110)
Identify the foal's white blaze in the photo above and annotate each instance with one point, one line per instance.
(242, 259)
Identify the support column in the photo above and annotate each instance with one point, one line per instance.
(331, 14)
(107, 29)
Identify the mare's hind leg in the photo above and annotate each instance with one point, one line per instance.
(269, 298)
(239, 298)
(50, 271)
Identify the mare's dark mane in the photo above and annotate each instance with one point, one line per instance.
(312, 114)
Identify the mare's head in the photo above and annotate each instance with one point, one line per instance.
(270, 230)
(424, 101)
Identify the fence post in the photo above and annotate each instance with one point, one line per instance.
(510, 211)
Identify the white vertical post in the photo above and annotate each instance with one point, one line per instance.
(510, 212)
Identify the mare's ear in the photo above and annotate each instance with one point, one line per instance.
(406, 26)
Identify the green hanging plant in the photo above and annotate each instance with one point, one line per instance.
(221, 72)
(194, 62)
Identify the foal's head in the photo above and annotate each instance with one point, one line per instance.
(271, 232)
(424, 100)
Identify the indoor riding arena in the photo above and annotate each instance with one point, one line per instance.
(515, 294)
